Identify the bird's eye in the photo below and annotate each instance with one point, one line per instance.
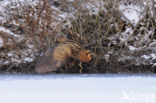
(88, 53)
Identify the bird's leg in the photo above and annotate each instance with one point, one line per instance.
(66, 67)
(80, 64)
(72, 64)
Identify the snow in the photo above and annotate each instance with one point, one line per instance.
(6, 2)
(27, 59)
(77, 88)
(1, 42)
(10, 54)
(9, 32)
(132, 12)
(132, 48)
(153, 56)
(93, 8)
(146, 56)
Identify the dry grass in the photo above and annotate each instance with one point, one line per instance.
(34, 24)
(99, 32)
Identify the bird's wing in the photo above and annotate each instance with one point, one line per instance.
(47, 63)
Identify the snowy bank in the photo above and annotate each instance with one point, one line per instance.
(78, 88)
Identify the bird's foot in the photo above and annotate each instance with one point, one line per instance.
(80, 71)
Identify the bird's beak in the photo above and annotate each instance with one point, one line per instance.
(92, 55)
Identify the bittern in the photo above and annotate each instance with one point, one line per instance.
(55, 57)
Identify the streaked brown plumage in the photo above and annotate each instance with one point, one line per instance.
(55, 57)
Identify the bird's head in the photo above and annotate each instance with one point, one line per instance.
(85, 55)
(60, 38)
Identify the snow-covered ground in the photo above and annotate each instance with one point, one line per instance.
(78, 89)
(132, 12)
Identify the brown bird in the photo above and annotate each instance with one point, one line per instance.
(55, 57)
